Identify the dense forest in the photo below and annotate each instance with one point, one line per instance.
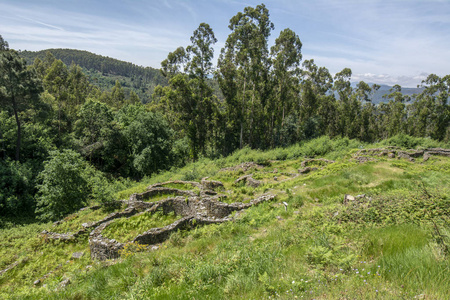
(105, 71)
(66, 140)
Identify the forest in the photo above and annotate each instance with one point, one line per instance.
(66, 141)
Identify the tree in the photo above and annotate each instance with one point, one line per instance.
(19, 87)
(317, 108)
(188, 96)
(16, 188)
(64, 185)
(149, 142)
(3, 44)
(245, 60)
(55, 82)
(94, 129)
(286, 57)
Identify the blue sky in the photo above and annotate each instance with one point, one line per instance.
(385, 42)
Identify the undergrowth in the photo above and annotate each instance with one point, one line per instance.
(391, 242)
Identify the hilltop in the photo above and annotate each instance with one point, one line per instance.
(103, 71)
(328, 219)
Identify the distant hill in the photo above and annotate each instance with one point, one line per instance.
(384, 90)
(103, 71)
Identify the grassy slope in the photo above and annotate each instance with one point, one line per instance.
(383, 248)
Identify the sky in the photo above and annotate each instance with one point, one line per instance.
(385, 42)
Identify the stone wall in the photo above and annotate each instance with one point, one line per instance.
(155, 191)
(391, 152)
(193, 212)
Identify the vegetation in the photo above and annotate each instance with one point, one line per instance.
(77, 129)
(392, 243)
(104, 72)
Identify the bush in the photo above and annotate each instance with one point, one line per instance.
(16, 188)
(406, 141)
(64, 185)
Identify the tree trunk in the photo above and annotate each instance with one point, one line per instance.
(250, 142)
(242, 116)
(18, 128)
(2, 149)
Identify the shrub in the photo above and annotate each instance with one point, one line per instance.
(16, 188)
(64, 185)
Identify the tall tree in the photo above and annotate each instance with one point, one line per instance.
(19, 87)
(247, 48)
(286, 57)
(189, 95)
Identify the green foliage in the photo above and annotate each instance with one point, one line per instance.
(105, 71)
(124, 230)
(413, 208)
(65, 185)
(16, 189)
(409, 142)
(149, 137)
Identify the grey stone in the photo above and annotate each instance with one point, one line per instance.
(64, 283)
(77, 255)
(306, 170)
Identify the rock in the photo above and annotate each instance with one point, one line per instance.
(211, 184)
(296, 212)
(348, 198)
(275, 178)
(306, 170)
(279, 218)
(37, 282)
(391, 155)
(248, 179)
(64, 283)
(77, 255)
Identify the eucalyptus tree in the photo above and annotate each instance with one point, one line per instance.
(55, 82)
(429, 115)
(394, 113)
(244, 65)
(286, 58)
(317, 105)
(189, 97)
(342, 87)
(368, 126)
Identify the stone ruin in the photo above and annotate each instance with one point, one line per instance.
(306, 169)
(365, 155)
(194, 209)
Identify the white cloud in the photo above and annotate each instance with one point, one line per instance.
(397, 40)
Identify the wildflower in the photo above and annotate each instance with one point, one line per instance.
(357, 272)
(379, 266)
(293, 281)
(368, 273)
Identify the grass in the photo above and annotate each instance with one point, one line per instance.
(383, 246)
(74, 222)
(125, 229)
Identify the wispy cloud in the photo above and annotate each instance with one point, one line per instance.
(385, 41)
